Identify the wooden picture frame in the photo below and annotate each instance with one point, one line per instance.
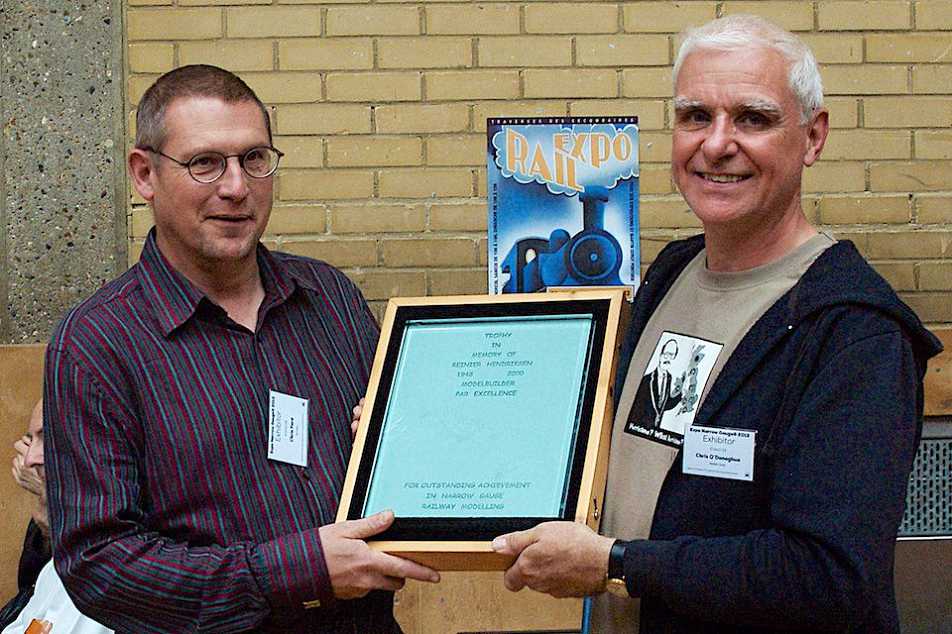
(407, 454)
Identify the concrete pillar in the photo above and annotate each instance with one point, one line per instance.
(62, 184)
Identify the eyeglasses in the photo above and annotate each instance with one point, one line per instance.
(207, 167)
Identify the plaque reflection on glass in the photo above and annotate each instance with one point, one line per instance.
(482, 417)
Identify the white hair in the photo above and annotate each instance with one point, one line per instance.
(738, 32)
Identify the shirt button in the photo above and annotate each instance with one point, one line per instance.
(306, 474)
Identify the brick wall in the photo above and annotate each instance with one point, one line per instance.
(381, 107)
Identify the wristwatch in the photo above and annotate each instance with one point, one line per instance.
(615, 579)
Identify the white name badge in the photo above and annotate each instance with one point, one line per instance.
(287, 428)
(717, 452)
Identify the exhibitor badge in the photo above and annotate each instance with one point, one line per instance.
(719, 452)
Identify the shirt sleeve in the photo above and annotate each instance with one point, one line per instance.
(836, 497)
(114, 567)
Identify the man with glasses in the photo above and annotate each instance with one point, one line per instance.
(199, 405)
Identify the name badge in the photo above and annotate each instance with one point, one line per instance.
(718, 452)
(287, 429)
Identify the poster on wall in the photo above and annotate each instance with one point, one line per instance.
(563, 202)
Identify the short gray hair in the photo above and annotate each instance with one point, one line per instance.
(194, 80)
(742, 31)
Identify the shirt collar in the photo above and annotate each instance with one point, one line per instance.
(174, 299)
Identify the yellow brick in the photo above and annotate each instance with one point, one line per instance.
(482, 248)
(934, 14)
(650, 112)
(525, 51)
(646, 82)
(469, 149)
(864, 16)
(793, 16)
(838, 48)
(864, 209)
(844, 112)
(650, 245)
(323, 119)
(300, 151)
(655, 179)
(231, 54)
(151, 58)
(571, 83)
(908, 245)
(907, 112)
(935, 276)
(198, 3)
(834, 177)
(383, 284)
(476, 84)
(424, 118)
(340, 253)
(900, 275)
(481, 183)
(622, 50)
(373, 20)
(378, 219)
(867, 144)
(285, 87)
(571, 17)
(173, 24)
(325, 184)
(934, 144)
(487, 109)
(137, 86)
(425, 52)
(355, 151)
(670, 17)
(655, 147)
(934, 209)
(859, 240)
(143, 3)
(867, 79)
(666, 213)
(930, 307)
(135, 251)
(489, 19)
(274, 22)
(933, 80)
(373, 87)
(351, 53)
(458, 282)
(459, 252)
(458, 217)
(426, 183)
(910, 176)
(286, 220)
(142, 221)
(909, 48)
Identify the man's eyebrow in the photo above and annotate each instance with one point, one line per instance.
(683, 103)
(763, 106)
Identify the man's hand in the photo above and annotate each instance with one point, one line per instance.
(355, 418)
(26, 477)
(564, 559)
(355, 569)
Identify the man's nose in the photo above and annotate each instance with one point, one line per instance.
(721, 139)
(233, 183)
(34, 456)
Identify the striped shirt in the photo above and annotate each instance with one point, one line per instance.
(167, 515)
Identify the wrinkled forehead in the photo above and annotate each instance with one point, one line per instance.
(753, 73)
(36, 419)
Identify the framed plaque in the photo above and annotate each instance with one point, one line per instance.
(485, 415)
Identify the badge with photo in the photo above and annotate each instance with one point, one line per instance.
(670, 390)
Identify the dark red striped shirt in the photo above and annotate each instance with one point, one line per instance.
(167, 515)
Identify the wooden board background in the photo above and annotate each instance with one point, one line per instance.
(21, 383)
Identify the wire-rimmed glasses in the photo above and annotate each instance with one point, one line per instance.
(207, 167)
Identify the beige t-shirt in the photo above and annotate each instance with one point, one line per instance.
(685, 343)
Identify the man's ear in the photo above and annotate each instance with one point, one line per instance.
(142, 171)
(817, 131)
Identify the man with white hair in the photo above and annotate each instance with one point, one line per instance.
(775, 504)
